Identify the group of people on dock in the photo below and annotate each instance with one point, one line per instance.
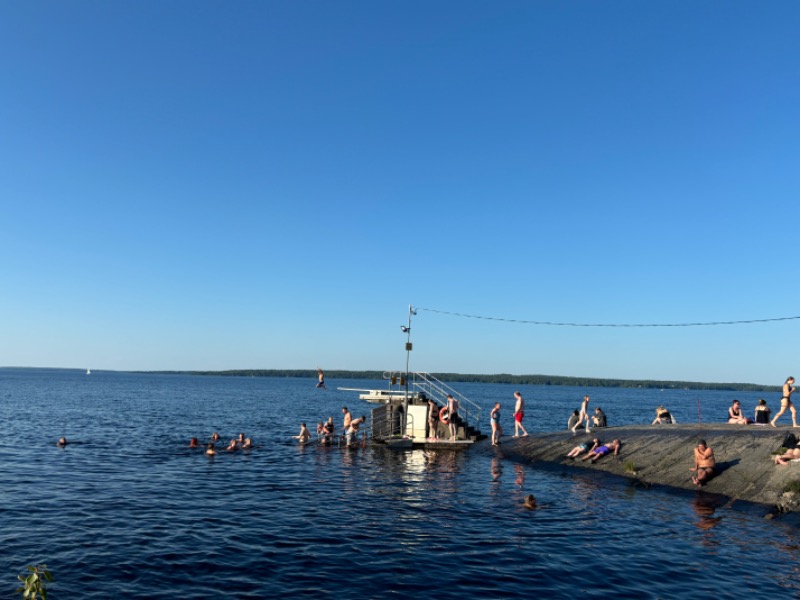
(447, 415)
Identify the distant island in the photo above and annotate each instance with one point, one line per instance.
(497, 378)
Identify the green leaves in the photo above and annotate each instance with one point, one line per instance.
(34, 586)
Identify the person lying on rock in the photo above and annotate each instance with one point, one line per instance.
(601, 451)
(584, 447)
(704, 463)
(790, 454)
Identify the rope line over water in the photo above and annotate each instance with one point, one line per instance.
(560, 324)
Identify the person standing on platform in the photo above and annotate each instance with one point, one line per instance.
(519, 413)
(452, 415)
(433, 419)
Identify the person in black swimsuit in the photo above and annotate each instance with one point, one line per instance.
(735, 414)
(762, 412)
(786, 402)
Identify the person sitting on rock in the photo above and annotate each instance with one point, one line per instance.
(736, 416)
(573, 419)
(762, 412)
(601, 451)
(584, 447)
(704, 463)
(663, 416)
(599, 417)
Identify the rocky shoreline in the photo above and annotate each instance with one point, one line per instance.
(661, 455)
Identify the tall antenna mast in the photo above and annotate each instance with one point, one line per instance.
(409, 346)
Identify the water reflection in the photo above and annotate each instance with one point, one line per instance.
(373, 514)
(520, 472)
(496, 470)
(705, 505)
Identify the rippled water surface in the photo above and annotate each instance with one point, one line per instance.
(128, 511)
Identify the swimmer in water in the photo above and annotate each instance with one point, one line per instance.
(234, 445)
(248, 444)
(210, 449)
(530, 502)
(62, 442)
(193, 443)
(304, 434)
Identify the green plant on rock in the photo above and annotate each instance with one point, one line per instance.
(34, 585)
(792, 486)
(630, 467)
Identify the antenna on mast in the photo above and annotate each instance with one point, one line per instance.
(407, 330)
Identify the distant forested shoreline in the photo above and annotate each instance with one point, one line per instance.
(497, 378)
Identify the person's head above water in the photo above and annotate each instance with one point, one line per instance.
(62, 442)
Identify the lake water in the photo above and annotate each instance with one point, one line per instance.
(128, 511)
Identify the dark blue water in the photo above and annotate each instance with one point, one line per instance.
(128, 511)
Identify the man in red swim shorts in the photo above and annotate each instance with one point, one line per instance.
(519, 412)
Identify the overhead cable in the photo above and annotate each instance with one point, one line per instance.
(560, 324)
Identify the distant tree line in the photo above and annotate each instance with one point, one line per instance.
(500, 378)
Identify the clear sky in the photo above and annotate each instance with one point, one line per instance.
(217, 185)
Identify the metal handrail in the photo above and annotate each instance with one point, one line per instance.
(381, 426)
(431, 386)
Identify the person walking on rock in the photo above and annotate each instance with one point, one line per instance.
(786, 402)
(519, 413)
(583, 415)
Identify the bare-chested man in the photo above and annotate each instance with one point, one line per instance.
(519, 413)
(347, 419)
(352, 431)
(320, 378)
(304, 434)
(704, 463)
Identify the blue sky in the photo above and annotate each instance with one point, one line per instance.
(205, 185)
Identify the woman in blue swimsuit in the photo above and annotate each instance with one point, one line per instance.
(497, 430)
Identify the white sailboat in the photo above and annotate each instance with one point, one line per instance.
(88, 371)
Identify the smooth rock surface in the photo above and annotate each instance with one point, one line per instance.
(663, 455)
